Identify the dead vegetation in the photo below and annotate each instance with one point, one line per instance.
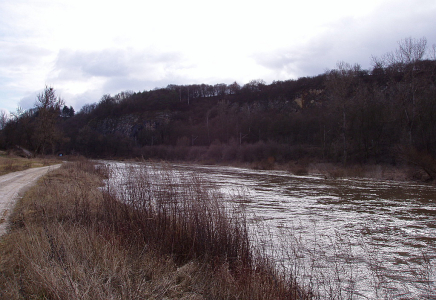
(13, 163)
(70, 239)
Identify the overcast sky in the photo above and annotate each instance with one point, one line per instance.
(88, 48)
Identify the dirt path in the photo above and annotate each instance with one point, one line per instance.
(12, 184)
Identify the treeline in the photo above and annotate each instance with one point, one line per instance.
(348, 115)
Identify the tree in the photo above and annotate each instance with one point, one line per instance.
(234, 88)
(220, 89)
(47, 133)
(67, 112)
(88, 108)
(19, 129)
(123, 95)
(341, 84)
(4, 117)
(402, 68)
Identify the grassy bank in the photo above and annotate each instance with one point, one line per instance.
(11, 163)
(71, 240)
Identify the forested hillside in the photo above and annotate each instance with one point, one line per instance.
(347, 115)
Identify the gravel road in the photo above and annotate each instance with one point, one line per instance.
(12, 184)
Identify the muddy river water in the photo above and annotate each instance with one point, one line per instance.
(348, 238)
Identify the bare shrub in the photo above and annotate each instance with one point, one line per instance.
(177, 215)
(421, 159)
(214, 152)
(230, 152)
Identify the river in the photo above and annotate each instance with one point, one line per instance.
(347, 238)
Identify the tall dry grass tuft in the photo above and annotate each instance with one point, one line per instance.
(178, 215)
(71, 238)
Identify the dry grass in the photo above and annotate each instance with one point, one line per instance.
(10, 163)
(71, 240)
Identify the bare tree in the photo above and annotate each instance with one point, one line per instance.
(341, 84)
(433, 52)
(18, 112)
(402, 63)
(48, 107)
(411, 50)
(123, 96)
(4, 117)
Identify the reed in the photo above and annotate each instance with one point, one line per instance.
(72, 238)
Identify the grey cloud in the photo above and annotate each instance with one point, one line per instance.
(18, 62)
(76, 100)
(28, 101)
(305, 60)
(21, 55)
(116, 85)
(119, 69)
(88, 97)
(106, 63)
(354, 40)
(110, 63)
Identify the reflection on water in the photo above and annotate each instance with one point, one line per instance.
(382, 234)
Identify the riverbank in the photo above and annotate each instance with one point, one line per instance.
(402, 164)
(384, 172)
(71, 239)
